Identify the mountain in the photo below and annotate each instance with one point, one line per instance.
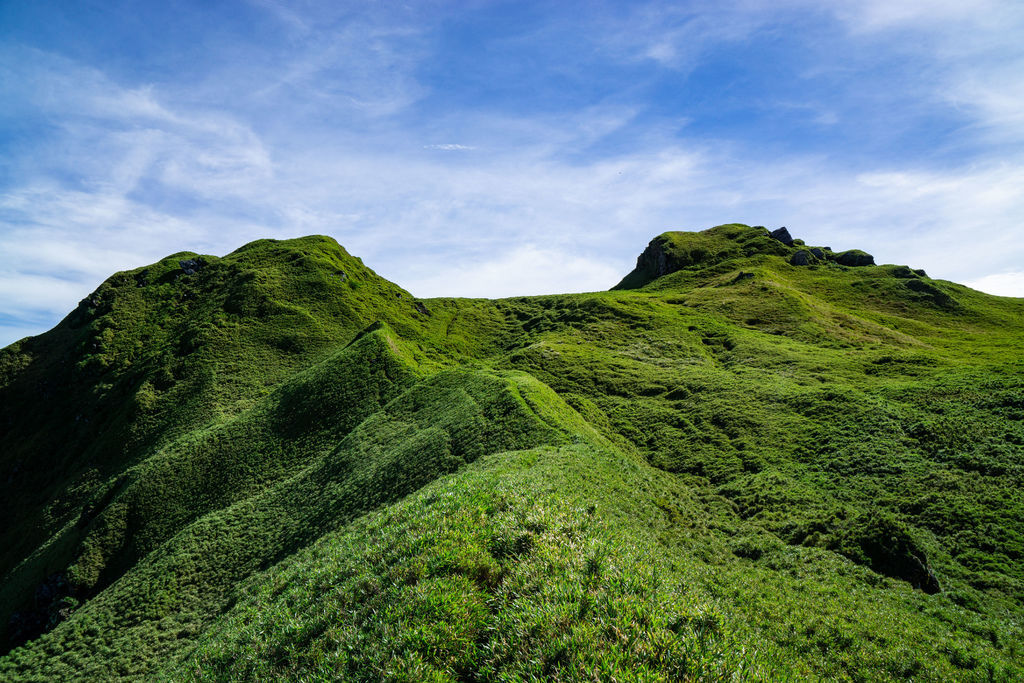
(752, 458)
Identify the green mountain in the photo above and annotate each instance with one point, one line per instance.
(752, 459)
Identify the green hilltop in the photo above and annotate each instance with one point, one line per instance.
(751, 459)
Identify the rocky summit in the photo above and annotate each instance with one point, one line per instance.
(752, 459)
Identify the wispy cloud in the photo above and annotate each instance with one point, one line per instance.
(522, 270)
(1001, 284)
(875, 15)
(676, 35)
(973, 50)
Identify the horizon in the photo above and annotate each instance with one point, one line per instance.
(496, 149)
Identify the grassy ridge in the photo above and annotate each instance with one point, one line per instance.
(827, 459)
(431, 428)
(526, 565)
(574, 562)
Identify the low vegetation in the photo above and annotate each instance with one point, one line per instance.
(737, 464)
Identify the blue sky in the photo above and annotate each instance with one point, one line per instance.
(497, 148)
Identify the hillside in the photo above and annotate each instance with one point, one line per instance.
(752, 458)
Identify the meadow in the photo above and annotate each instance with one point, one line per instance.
(278, 464)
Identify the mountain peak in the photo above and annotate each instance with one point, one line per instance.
(678, 250)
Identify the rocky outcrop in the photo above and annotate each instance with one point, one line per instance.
(855, 258)
(783, 236)
(655, 260)
(801, 258)
(192, 265)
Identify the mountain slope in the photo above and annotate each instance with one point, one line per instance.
(751, 456)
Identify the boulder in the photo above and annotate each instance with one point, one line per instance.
(818, 253)
(855, 258)
(783, 236)
(801, 258)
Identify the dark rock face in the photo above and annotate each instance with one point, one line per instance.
(817, 253)
(53, 603)
(855, 258)
(190, 266)
(801, 258)
(783, 236)
(420, 308)
(654, 260)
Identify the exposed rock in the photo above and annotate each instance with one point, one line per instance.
(190, 266)
(904, 273)
(741, 276)
(678, 250)
(420, 307)
(855, 258)
(783, 236)
(818, 253)
(654, 259)
(801, 258)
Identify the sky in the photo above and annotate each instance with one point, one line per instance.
(492, 149)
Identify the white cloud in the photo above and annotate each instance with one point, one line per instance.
(356, 68)
(24, 294)
(1000, 284)
(875, 15)
(524, 270)
(973, 50)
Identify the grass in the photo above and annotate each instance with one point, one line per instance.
(283, 465)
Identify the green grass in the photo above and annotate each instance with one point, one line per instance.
(283, 465)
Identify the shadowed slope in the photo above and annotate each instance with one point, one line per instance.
(432, 428)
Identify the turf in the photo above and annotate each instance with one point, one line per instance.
(277, 464)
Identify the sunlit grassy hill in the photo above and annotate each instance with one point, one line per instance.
(752, 458)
